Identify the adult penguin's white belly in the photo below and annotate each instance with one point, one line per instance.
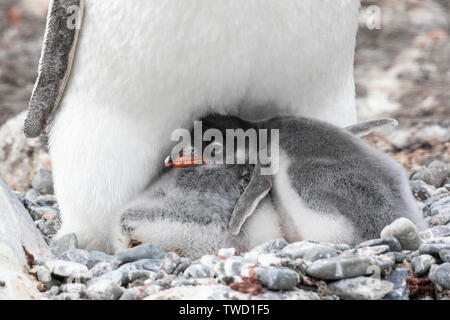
(145, 67)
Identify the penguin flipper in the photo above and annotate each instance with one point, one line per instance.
(365, 128)
(61, 37)
(258, 187)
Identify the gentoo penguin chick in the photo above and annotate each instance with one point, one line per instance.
(117, 76)
(188, 211)
(330, 186)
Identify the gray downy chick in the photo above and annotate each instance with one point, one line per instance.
(331, 186)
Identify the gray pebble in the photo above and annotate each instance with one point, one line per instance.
(32, 195)
(43, 182)
(361, 288)
(49, 227)
(422, 264)
(341, 267)
(96, 257)
(308, 251)
(43, 275)
(68, 269)
(140, 276)
(434, 233)
(75, 255)
(435, 174)
(144, 251)
(227, 252)
(392, 242)
(401, 289)
(67, 296)
(79, 288)
(198, 271)
(405, 231)
(433, 248)
(38, 213)
(444, 255)
(131, 294)
(101, 268)
(104, 289)
(273, 246)
(63, 244)
(277, 278)
(421, 190)
(441, 275)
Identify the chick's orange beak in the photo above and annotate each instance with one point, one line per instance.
(184, 162)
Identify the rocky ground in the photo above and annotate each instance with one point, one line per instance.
(402, 71)
(402, 264)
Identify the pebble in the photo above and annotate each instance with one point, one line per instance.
(140, 276)
(101, 268)
(79, 288)
(227, 252)
(277, 278)
(198, 271)
(273, 246)
(308, 251)
(434, 233)
(444, 255)
(421, 190)
(232, 269)
(63, 244)
(392, 242)
(49, 227)
(37, 213)
(104, 289)
(43, 275)
(43, 182)
(422, 264)
(441, 275)
(435, 174)
(97, 257)
(75, 255)
(67, 296)
(361, 288)
(68, 269)
(131, 294)
(341, 267)
(400, 289)
(433, 248)
(405, 231)
(144, 251)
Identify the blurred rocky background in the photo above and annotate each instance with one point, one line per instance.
(402, 71)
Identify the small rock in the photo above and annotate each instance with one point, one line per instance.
(231, 270)
(435, 174)
(43, 182)
(79, 288)
(422, 264)
(433, 248)
(131, 294)
(67, 269)
(401, 289)
(140, 276)
(171, 261)
(277, 278)
(273, 246)
(75, 255)
(43, 274)
(49, 227)
(37, 213)
(341, 267)
(144, 251)
(434, 233)
(67, 296)
(209, 261)
(228, 252)
(405, 231)
(101, 268)
(373, 251)
(445, 255)
(198, 271)
(361, 288)
(308, 251)
(63, 244)
(96, 257)
(441, 275)
(421, 190)
(32, 195)
(104, 289)
(392, 242)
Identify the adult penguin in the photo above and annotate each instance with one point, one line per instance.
(116, 77)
